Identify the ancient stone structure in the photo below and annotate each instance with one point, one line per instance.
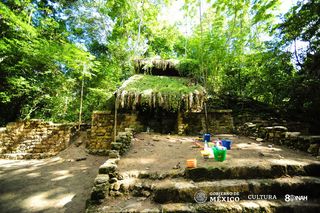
(161, 100)
(219, 121)
(33, 139)
(226, 187)
(282, 135)
(100, 136)
(106, 183)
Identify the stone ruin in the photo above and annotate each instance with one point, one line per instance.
(39, 139)
(281, 134)
(34, 139)
(100, 136)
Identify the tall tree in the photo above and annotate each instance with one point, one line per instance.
(35, 63)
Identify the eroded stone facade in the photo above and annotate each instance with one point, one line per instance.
(33, 139)
(101, 133)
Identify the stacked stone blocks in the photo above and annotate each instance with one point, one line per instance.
(33, 139)
(101, 132)
(280, 134)
(107, 182)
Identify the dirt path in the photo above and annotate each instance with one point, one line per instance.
(59, 184)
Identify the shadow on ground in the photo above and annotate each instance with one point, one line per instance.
(58, 184)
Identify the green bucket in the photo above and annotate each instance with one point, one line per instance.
(219, 155)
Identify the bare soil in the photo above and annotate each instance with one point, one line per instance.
(159, 153)
(58, 184)
(62, 184)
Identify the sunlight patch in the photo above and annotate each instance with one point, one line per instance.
(33, 174)
(55, 198)
(287, 162)
(62, 174)
(139, 161)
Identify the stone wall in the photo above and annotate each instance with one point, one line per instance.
(101, 133)
(266, 120)
(282, 135)
(107, 181)
(33, 139)
(219, 121)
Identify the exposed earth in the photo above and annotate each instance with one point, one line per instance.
(158, 153)
(63, 184)
(159, 161)
(58, 184)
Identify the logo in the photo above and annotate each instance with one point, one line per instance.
(262, 197)
(290, 198)
(200, 197)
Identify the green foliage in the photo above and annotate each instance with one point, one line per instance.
(226, 39)
(188, 67)
(301, 24)
(47, 50)
(171, 93)
(163, 84)
(162, 41)
(36, 69)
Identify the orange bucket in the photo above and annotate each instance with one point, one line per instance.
(191, 163)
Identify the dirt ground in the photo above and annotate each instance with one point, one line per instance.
(62, 184)
(162, 154)
(159, 153)
(58, 184)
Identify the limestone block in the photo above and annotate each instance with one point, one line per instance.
(115, 186)
(292, 134)
(122, 134)
(102, 152)
(280, 128)
(116, 145)
(114, 160)
(114, 154)
(99, 191)
(269, 128)
(249, 125)
(107, 167)
(314, 149)
(129, 130)
(101, 178)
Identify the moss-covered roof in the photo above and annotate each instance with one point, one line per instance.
(171, 93)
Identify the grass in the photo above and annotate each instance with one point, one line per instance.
(162, 84)
(164, 91)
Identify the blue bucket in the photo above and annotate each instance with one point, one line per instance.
(227, 144)
(206, 137)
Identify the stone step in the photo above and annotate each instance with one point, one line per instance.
(252, 206)
(184, 191)
(254, 171)
(243, 206)
(21, 156)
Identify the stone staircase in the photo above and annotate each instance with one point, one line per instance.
(34, 139)
(280, 187)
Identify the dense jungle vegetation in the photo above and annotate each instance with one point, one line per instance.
(53, 54)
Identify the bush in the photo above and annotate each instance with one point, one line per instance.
(188, 67)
